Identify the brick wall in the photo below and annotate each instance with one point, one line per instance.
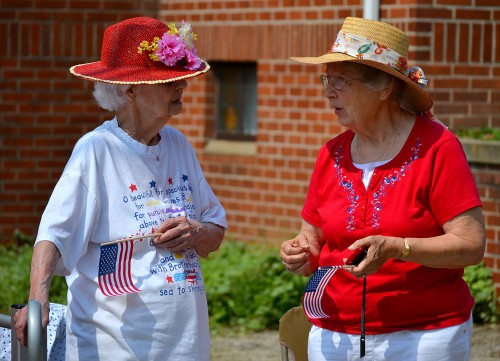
(44, 110)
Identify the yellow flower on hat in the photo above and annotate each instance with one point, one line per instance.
(173, 29)
(151, 47)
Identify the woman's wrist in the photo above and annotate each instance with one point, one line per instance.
(405, 252)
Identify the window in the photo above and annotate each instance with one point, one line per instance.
(236, 112)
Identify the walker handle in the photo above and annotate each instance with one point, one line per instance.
(37, 343)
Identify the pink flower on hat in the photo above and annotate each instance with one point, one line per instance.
(176, 47)
(192, 60)
(171, 49)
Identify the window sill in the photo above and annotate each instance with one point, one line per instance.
(481, 151)
(230, 147)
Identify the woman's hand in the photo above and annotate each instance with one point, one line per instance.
(43, 262)
(181, 233)
(294, 256)
(301, 254)
(379, 250)
(21, 321)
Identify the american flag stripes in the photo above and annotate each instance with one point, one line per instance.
(114, 269)
(314, 291)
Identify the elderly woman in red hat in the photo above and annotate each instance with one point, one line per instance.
(132, 211)
(396, 186)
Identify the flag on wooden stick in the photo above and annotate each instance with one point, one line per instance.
(115, 276)
(314, 291)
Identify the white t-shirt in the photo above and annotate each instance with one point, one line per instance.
(114, 187)
(368, 169)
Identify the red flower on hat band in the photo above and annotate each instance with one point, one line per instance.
(175, 47)
(417, 75)
(402, 64)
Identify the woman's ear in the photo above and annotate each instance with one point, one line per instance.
(386, 92)
(129, 94)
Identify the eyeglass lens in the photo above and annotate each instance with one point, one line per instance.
(336, 81)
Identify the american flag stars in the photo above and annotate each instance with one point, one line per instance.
(314, 292)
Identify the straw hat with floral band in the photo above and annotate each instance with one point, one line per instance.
(381, 46)
(143, 50)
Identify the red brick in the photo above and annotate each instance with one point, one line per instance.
(438, 41)
(451, 42)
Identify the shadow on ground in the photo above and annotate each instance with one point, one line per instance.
(264, 346)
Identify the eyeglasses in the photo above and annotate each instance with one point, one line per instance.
(337, 81)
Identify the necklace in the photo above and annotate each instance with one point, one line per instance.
(157, 156)
(386, 153)
(159, 150)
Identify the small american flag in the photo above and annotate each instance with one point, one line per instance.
(191, 275)
(314, 291)
(114, 269)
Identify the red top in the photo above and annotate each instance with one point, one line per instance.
(428, 183)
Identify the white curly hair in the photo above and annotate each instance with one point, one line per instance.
(110, 96)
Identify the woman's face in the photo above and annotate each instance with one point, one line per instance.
(159, 101)
(355, 104)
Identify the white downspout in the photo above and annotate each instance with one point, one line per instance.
(371, 9)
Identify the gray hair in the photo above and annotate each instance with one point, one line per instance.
(110, 96)
(376, 79)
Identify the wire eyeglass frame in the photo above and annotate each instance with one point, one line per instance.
(337, 81)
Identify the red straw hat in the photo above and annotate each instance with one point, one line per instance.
(143, 50)
(382, 46)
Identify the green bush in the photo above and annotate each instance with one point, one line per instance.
(15, 276)
(483, 133)
(247, 287)
(481, 285)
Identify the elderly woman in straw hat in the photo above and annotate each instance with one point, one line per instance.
(396, 187)
(132, 211)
